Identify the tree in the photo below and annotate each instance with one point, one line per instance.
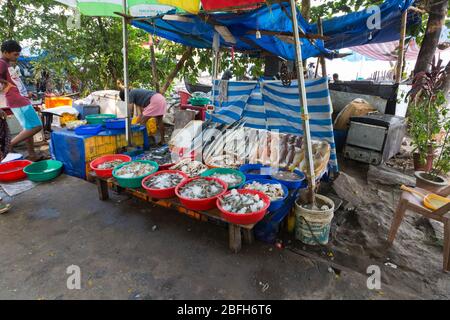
(438, 10)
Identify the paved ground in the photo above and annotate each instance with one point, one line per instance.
(121, 256)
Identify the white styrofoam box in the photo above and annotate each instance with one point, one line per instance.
(109, 102)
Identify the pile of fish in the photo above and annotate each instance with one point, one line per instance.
(230, 178)
(164, 181)
(201, 189)
(134, 169)
(160, 155)
(191, 167)
(241, 202)
(273, 191)
(109, 164)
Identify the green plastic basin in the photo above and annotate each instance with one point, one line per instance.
(137, 181)
(45, 170)
(210, 172)
(99, 118)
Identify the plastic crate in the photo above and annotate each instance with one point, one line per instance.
(53, 102)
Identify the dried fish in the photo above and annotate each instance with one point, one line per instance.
(230, 178)
(241, 202)
(110, 164)
(273, 191)
(164, 181)
(134, 169)
(201, 189)
(191, 167)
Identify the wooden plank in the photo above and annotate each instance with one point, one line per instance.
(102, 187)
(234, 238)
(248, 236)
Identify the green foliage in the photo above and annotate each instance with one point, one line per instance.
(332, 8)
(429, 118)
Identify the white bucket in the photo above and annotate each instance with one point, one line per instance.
(313, 226)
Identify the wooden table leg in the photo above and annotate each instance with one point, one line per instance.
(248, 236)
(102, 187)
(234, 237)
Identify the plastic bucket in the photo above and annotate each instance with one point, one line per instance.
(135, 182)
(274, 204)
(13, 170)
(313, 226)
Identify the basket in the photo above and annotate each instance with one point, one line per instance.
(135, 182)
(294, 184)
(276, 204)
(13, 170)
(99, 118)
(211, 172)
(162, 193)
(88, 130)
(107, 173)
(264, 171)
(246, 218)
(43, 170)
(200, 204)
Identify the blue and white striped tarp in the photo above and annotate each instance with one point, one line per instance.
(271, 106)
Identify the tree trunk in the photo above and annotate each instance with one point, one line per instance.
(306, 9)
(187, 53)
(11, 16)
(438, 12)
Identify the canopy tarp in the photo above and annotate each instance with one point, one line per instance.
(353, 29)
(273, 23)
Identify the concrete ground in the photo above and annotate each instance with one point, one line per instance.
(130, 250)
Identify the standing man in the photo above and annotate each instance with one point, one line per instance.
(16, 98)
(151, 103)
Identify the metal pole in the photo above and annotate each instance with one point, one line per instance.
(401, 48)
(304, 107)
(125, 73)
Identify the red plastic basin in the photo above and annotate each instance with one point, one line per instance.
(107, 173)
(200, 204)
(13, 170)
(245, 218)
(165, 166)
(162, 193)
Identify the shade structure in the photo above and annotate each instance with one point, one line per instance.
(191, 6)
(225, 4)
(106, 8)
(266, 30)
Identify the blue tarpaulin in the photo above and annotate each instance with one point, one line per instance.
(357, 28)
(275, 26)
(199, 31)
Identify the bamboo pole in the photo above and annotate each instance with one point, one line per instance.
(401, 48)
(322, 58)
(304, 108)
(125, 74)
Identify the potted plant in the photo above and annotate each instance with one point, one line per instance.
(429, 125)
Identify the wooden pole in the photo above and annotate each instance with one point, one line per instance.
(154, 66)
(322, 58)
(125, 73)
(401, 48)
(304, 108)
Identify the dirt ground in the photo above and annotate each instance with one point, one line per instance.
(127, 249)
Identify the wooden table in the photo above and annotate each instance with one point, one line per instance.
(236, 233)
